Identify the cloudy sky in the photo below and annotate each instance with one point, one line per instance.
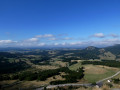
(59, 23)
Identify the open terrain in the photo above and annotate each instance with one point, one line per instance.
(95, 73)
(29, 69)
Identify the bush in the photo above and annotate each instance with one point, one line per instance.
(116, 80)
(94, 83)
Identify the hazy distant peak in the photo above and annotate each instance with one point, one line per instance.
(102, 50)
(91, 48)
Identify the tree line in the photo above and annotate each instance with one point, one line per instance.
(110, 63)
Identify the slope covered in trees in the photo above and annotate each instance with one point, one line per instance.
(71, 76)
(114, 49)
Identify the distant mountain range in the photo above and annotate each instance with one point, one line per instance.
(109, 53)
(91, 52)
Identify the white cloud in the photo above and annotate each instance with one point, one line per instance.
(67, 38)
(33, 39)
(41, 44)
(6, 41)
(114, 35)
(106, 42)
(56, 44)
(76, 43)
(99, 35)
(45, 36)
(53, 38)
(63, 43)
(48, 35)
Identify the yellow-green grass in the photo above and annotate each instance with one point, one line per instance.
(78, 65)
(118, 76)
(75, 66)
(94, 73)
(59, 63)
(98, 72)
(96, 77)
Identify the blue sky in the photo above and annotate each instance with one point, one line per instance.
(59, 22)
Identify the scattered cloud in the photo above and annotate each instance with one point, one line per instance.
(41, 44)
(33, 39)
(53, 38)
(57, 40)
(67, 38)
(99, 35)
(64, 43)
(76, 43)
(106, 42)
(56, 44)
(45, 36)
(64, 34)
(6, 41)
(114, 35)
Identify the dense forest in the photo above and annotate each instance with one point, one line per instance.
(71, 76)
(114, 49)
(7, 67)
(11, 67)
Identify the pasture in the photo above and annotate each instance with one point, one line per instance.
(95, 73)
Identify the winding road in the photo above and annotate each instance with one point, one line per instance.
(99, 83)
(109, 77)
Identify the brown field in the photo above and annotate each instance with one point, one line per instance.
(90, 69)
(45, 67)
(42, 67)
(59, 63)
(110, 68)
(7, 82)
(98, 69)
(116, 86)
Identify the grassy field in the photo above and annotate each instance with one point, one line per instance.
(59, 63)
(95, 73)
(118, 76)
(75, 66)
(96, 77)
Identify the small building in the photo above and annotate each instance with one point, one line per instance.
(109, 81)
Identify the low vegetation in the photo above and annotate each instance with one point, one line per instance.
(44, 66)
